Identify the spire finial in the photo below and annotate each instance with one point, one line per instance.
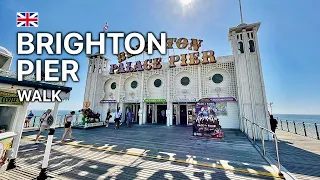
(240, 12)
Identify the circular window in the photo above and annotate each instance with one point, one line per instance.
(134, 84)
(217, 78)
(157, 83)
(113, 85)
(185, 81)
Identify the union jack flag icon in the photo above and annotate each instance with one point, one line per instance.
(27, 19)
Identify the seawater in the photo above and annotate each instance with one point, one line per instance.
(299, 118)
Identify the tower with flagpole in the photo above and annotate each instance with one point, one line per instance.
(252, 101)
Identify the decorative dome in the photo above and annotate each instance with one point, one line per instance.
(5, 51)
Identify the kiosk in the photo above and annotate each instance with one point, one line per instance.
(13, 111)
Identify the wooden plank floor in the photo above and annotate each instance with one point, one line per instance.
(298, 154)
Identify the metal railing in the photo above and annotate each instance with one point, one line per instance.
(259, 133)
(301, 128)
(59, 122)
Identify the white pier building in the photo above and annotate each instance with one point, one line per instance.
(235, 81)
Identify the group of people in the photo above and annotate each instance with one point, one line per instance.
(118, 117)
(45, 121)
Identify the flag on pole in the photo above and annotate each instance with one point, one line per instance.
(105, 27)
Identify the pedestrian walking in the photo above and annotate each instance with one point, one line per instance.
(117, 118)
(129, 117)
(273, 123)
(44, 124)
(108, 117)
(67, 126)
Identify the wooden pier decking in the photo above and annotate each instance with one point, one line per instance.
(300, 155)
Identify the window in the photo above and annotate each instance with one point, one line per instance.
(134, 84)
(240, 47)
(251, 44)
(217, 78)
(157, 83)
(185, 81)
(113, 85)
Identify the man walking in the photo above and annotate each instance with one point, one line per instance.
(117, 118)
(129, 116)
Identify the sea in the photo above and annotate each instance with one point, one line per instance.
(290, 117)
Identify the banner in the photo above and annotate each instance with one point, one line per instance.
(207, 123)
(5, 145)
(9, 98)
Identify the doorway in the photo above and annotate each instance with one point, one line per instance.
(183, 114)
(161, 114)
(135, 112)
(149, 109)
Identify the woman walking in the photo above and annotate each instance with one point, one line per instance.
(67, 126)
(108, 117)
(44, 124)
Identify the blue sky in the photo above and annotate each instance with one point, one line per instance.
(288, 37)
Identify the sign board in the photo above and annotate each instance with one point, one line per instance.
(193, 58)
(86, 104)
(154, 100)
(108, 101)
(9, 98)
(186, 100)
(5, 145)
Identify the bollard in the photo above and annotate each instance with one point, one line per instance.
(34, 121)
(281, 125)
(315, 124)
(262, 142)
(304, 128)
(287, 125)
(295, 129)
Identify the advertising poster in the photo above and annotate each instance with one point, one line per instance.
(5, 145)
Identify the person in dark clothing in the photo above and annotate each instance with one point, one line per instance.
(273, 123)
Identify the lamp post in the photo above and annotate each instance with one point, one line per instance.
(270, 105)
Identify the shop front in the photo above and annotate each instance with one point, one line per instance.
(184, 111)
(156, 111)
(134, 107)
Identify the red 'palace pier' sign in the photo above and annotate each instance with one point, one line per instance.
(195, 58)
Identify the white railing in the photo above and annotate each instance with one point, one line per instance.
(301, 128)
(10, 74)
(258, 133)
(59, 122)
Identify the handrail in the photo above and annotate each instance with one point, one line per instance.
(59, 122)
(301, 128)
(254, 134)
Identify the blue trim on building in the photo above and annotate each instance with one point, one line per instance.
(34, 84)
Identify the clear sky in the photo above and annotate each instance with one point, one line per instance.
(288, 37)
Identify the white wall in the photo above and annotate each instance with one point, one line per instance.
(155, 92)
(232, 119)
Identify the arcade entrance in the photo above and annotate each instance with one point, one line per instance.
(134, 108)
(156, 113)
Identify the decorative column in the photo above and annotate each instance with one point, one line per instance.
(142, 109)
(144, 112)
(169, 103)
(199, 82)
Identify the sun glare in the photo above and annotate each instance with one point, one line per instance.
(185, 2)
